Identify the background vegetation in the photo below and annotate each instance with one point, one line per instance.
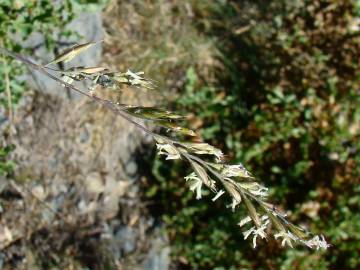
(274, 84)
(284, 100)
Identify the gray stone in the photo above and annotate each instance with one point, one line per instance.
(126, 237)
(2, 256)
(131, 168)
(158, 257)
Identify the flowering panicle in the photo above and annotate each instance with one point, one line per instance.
(206, 160)
(242, 187)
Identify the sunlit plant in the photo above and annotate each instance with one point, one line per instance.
(263, 219)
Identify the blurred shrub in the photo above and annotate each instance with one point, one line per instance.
(286, 103)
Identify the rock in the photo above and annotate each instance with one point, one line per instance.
(158, 257)
(126, 237)
(131, 168)
(2, 256)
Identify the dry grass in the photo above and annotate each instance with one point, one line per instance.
(160, 38)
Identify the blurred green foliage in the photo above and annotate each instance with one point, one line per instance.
(18, 20)
(285, 102)
(6, 166)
